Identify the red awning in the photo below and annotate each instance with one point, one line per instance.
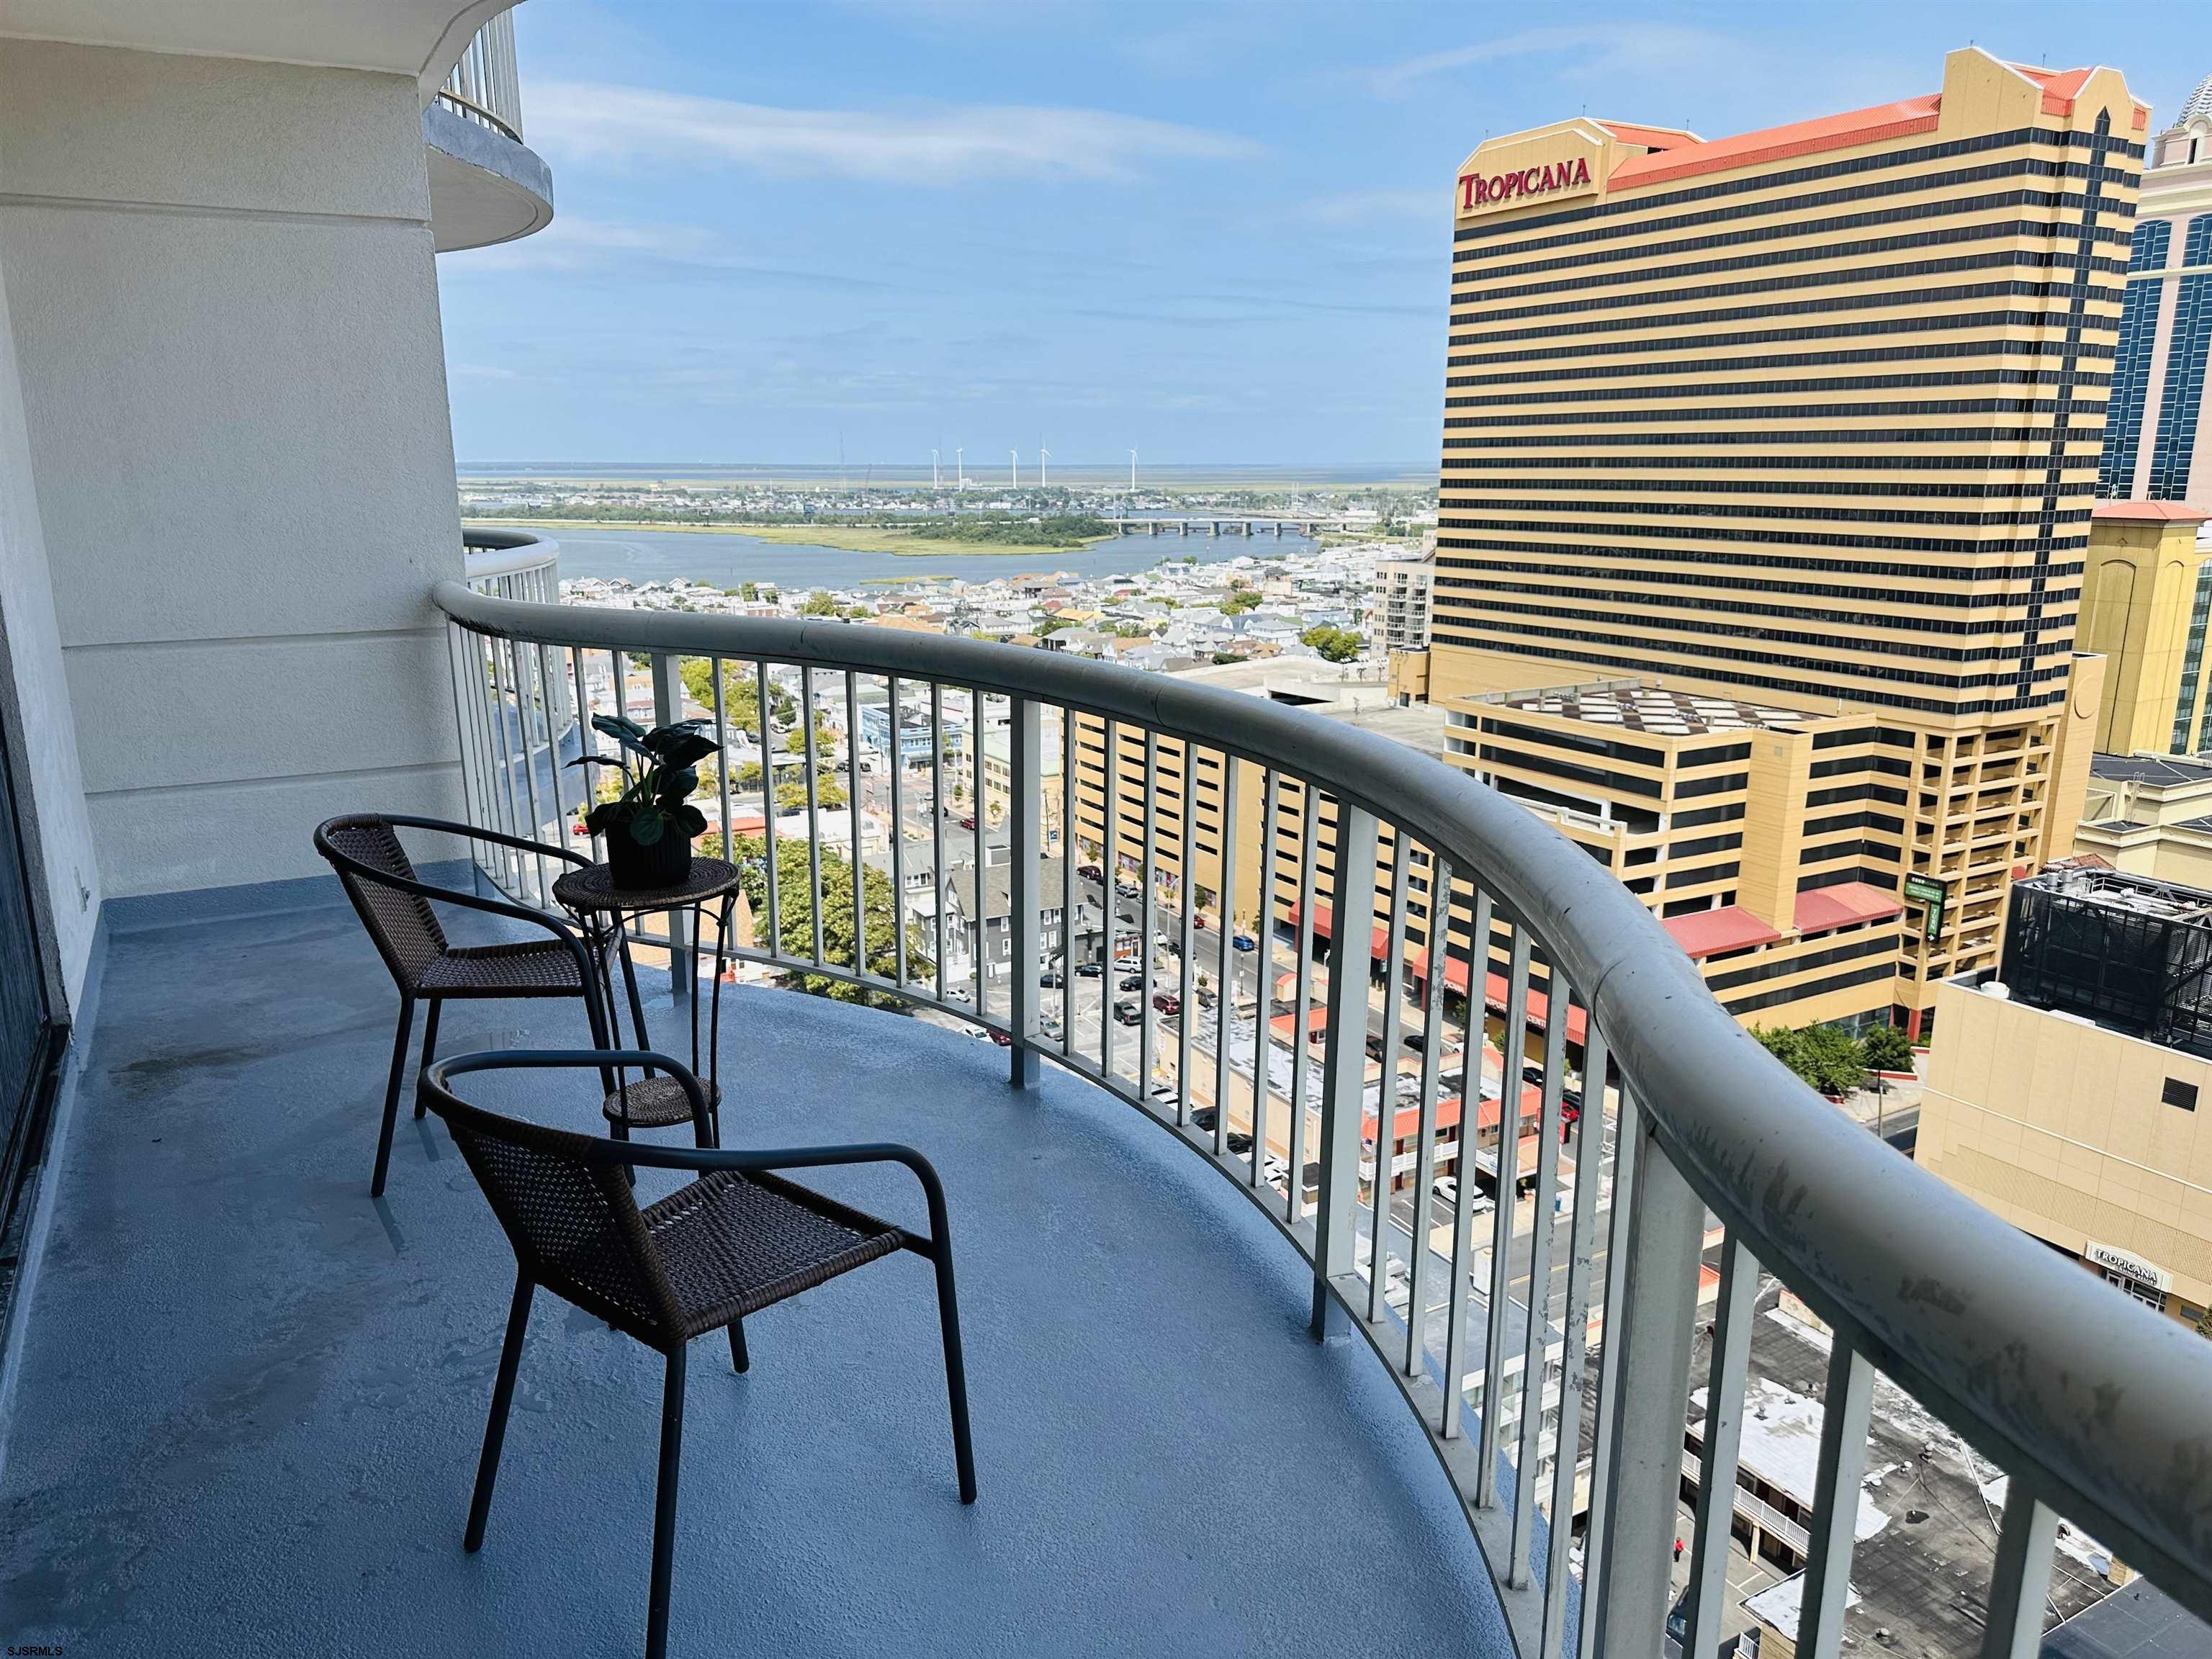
(1820, 910)
(1407, 1121)
(1708, 933)
(1283, 1024)
(1493, 993)
(1324, 925)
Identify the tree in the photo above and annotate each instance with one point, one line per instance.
(828, 793)
(1825, 1057)
(817, 604)
(795, 913)
(1242, 599)
(750, 593)
(1334, 644)
(1054, 624)
(1887, 1049)
(740, 693)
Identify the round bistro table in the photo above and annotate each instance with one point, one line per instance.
(602, 909)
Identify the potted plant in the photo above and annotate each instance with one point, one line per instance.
(649, 826)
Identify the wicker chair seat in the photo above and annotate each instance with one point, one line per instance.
(657, 1102)
(732, 1244)
(530, 968)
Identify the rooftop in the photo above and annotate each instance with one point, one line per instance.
(2112, 890)
(246, 1374)
(2149, 768)
(1659, 710)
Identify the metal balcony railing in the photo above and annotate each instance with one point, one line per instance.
(2092, 1405)
(483, 87)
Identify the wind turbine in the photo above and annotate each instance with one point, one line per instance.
(1043, 455)
(1132, 472)
(960, 467)
(1014, 460)
(933, 480)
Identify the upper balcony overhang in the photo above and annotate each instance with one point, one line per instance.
(485, 187)
(421, 38)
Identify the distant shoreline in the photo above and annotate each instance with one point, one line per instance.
(848, 539)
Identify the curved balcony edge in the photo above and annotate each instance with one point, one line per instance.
(2093, 1404)
(486, 186)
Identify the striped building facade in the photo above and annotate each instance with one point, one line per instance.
(1809, 418)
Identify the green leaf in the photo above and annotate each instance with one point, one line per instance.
(685, 747)
(673, 784)
(690, 820)
(646, 831)
(627, 733)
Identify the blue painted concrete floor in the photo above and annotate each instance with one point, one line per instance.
(250, 1399)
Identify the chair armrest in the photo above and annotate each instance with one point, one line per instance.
(520, 843)
(699, 1160)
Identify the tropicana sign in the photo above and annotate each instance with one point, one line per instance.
(1478, 190)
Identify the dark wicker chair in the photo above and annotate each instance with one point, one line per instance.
(394, 905)
(738, 1239)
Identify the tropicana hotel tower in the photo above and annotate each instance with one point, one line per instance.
(1809, 419)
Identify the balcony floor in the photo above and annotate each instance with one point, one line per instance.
(250, 1399)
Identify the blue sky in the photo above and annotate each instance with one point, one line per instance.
(1215, 233)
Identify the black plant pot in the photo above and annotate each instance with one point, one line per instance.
(636, 869)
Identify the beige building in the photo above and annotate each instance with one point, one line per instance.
(1810, 417)
(2150, 815)
(2140, 612)
(2098, 1142)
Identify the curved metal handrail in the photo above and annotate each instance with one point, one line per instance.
(2096, 1406)
(470, 111)
(493, 552)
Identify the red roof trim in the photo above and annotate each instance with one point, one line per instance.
(1708, 933)
(2162, 512)
(1873, 126)
(1823, 909)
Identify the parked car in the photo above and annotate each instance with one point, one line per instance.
(1245, 942)
(1089, 969)
(1132, 982)
(1446, 1188)
(1128, 890)
(1002, 1039)
(1239, 1144)
(1167, 1002)
(1051, 979)
(1126, 1014)
(1090, 872)
(968, 822)
(1204, 1117)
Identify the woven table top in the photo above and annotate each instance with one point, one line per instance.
(593, 888)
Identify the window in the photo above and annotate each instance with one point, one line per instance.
(2177, 1093)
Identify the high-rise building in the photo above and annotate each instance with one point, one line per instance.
(1808, 417)
(2158, 444)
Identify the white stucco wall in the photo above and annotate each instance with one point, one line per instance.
(49, 785)
(225, 312)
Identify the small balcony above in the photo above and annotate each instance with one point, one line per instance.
(486, 184)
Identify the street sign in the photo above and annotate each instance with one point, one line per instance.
(1932, 893)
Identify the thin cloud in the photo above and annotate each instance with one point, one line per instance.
(1363, 207)
(585, 247)
(1608, 51)
(958, 144)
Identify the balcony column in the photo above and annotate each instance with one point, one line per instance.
(1025, 791)
(1657, 1314)
(1344, 1068)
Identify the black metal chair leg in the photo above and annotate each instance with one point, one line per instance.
(429, 1051)
(503, 1396)
(664, 1507)
(391, 1095)
(741, 1358)
(955, 1368)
